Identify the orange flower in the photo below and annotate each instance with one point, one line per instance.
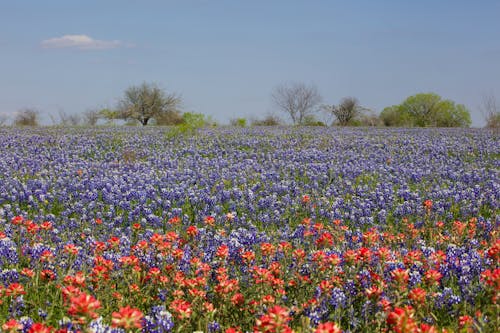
(127, 318)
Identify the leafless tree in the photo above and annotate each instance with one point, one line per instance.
(26, 117)
(297, 100)
(146, 102)
(68, 119)
(348, 110)
(491, 111)
(91, 117)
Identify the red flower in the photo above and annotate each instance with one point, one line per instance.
(182, 308)
(325, 240)
(192, 231)
(425, 328)
(174, 220)
(401, 320)
(83, 306)
(71, 249)
(401, 276)
(238, 299)
(328, 327)
(12, 325)
(209, 220)
(465, 321)
(40, 328)
(417, 295)
(233, 330)
(222, 251)
(432, 277)
(373, 292)
(428, 204)
(275, 320)
(127, 318)
(14, 290)
(16, 220)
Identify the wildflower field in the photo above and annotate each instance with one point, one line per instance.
(249, 230)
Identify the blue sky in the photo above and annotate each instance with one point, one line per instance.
(226, 56)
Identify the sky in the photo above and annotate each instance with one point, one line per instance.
(225, 57)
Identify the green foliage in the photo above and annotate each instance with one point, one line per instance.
(395, 116)
(426, 110)
(238, 122)
(190, 123)
(310, 120)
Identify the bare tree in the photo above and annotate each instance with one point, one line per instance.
(67, 119)
(297, 100)
(348, 110)
(91, 117)
(146, 102)
(491, 111)
(26, 117)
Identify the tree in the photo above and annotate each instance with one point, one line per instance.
(91, 117)
(269, 120)
(26, 117)
(169, 118)
(491, 111)
(426, 110)
(297, 100)
(146, 102)
(347, 111)
(66, 119)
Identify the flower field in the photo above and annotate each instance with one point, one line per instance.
(249, 230)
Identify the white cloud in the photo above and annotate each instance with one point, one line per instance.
(81, 42)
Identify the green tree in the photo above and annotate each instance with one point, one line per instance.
(426, 110)
(146, 102)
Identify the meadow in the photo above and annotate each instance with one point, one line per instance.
(249, 230)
